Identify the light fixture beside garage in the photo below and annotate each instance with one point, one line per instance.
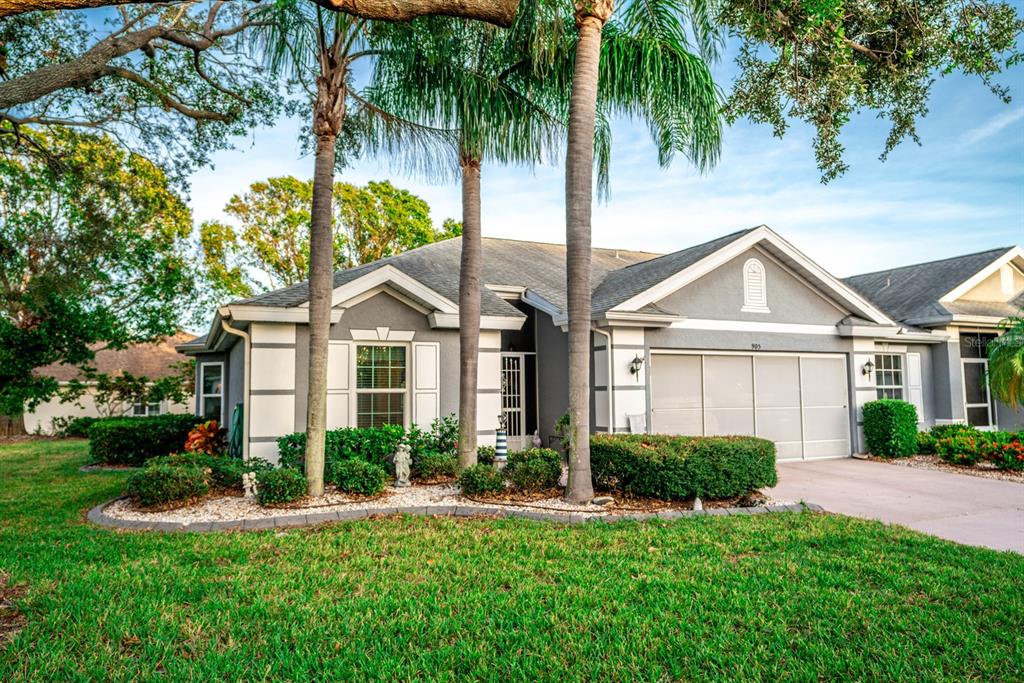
(636, 365)
(869, 368)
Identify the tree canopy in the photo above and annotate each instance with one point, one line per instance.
(268, 246)
(821, 62)
(173, 81)
(93, 249)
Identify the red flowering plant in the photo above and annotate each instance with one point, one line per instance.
(959, 450)
(1005, 451)
(209, 438)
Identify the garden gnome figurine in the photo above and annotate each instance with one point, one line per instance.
(249, 484)
(537, 441)
(402, 461)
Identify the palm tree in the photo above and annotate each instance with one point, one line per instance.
(638, 63)
(1006, 362)
(317, 50)
(475, 79)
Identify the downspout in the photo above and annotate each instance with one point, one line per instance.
(246, 405)
(611, 380)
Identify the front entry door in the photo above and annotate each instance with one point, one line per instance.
(513, 399)
(977, 398)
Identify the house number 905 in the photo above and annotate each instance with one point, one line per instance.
(755, 347)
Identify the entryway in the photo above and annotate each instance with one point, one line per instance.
(799, 401)
(519, 397)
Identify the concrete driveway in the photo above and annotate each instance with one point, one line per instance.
(958, 507)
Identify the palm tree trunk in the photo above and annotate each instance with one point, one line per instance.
(321, 280)
(469, 308)
(579, 184)
(328, 117)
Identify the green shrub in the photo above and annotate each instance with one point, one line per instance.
(133, 440)
(536, 469)
(161, 484)
(370, 444)
(485, 455)
(358, 476)
(925, 443)
(437, 465)
(950, 430)
(222, 472)
(962, 450)
(480, 480)
(890, 428)
(279, 486)
(680, 468)
(76, 427)
(1005, 450)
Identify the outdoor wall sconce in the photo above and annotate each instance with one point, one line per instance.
(636, 365)
(869, 368)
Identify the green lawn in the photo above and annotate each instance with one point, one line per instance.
(771, 597)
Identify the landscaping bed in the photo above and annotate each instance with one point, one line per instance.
(933, 462)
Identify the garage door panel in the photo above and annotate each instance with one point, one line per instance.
(729, 421)
(778, 381)
(789, 450)
(826, 424)
(728, 382)
(678, 422)
(676, 382)
(779, 424)
(827, 449)
(824, 381)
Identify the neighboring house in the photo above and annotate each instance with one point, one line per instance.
(150, 360)
(740, 335)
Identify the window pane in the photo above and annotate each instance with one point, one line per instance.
(380, 367)
(978, 417)
(212, 379)
(377, 410)
(138, 409)
(211, 408)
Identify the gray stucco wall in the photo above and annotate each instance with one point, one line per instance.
(383, 310)
(553, 374)
(1008, 419)
(719, 296)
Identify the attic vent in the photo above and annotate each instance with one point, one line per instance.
(755, 291)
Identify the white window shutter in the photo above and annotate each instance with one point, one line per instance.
(426, 374)
(338, 366)
(914, 392)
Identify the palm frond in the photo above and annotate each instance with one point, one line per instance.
(1006, 363)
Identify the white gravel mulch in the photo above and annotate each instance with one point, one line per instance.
(234, 508)
(933, 462)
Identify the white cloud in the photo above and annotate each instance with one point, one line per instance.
(994, 126)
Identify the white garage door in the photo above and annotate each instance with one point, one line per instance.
(798, 401)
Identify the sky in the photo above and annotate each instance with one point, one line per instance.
(960, 191)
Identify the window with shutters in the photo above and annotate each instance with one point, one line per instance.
(755, 291)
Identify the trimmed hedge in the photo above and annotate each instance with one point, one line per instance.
(536, 469)
(134, 440)
(681, 468)
(890, 428)
(160, 484)
(480, 480)
(278, 486)
(438, 466)
(358, 476)
(485, 455)
(372, 444)
(222, 472)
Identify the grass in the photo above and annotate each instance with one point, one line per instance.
(772, 597)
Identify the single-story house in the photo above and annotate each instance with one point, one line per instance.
(740, 335)
(154, 361)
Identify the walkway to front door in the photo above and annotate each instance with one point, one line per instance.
(958, 507)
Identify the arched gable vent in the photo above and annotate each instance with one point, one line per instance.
(755, 287)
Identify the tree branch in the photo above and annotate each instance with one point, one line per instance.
(500, 12)
(167, 100)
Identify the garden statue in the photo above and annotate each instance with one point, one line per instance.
(537, 441)
(249, 484)
(402, 461)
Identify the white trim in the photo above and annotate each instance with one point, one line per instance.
(389, 275)
(353, 382)
(274, 314)
(507, 292)
(202, 395)
(487, 322)
(716, 352)
(541, 304)
(981, 275)
(748, 326)
(799, 278)
(384, 289)
(991, 426)
(763, 233)
(755, 302)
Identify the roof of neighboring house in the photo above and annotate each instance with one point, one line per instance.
(141, 360)
(537, 266)
(913, 292)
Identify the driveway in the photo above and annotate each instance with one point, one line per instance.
(958, 507)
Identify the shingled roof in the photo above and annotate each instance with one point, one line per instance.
(141, 360)
(538, 266)
(913, 292)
